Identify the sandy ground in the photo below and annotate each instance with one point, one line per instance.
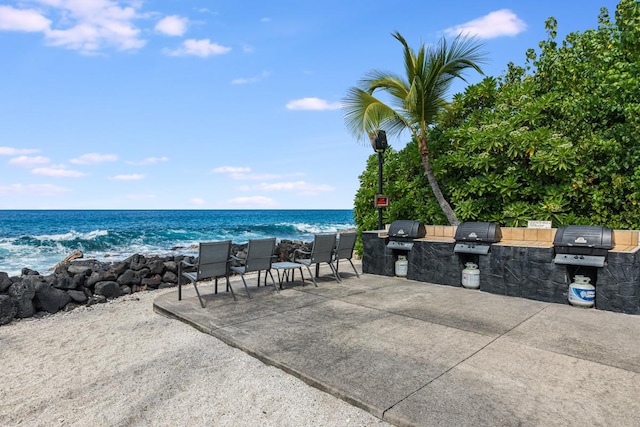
(120, 363)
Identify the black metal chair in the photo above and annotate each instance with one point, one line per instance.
(259, 257)
(213, 262)
(321, 251)
(344, 250)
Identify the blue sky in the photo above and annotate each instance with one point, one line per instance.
(185, 104)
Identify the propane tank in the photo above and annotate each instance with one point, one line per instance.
(402, 265)
(471, 276)
(581, 292)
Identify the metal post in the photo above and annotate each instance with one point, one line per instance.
(379, 144)
(380, 163)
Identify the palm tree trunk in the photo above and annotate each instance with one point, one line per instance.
(444, 205)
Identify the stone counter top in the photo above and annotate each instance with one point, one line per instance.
(626, 240)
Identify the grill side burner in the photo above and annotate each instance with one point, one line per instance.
(583, 245)
(403, 232)
(476, 237)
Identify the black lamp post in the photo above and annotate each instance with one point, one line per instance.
(379, 144)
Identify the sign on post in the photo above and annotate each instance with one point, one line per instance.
(381, 201)
(538, 224)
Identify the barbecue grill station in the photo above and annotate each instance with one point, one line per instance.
(529, 263)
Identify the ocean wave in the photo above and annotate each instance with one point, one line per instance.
(320, 228)
(117, 235)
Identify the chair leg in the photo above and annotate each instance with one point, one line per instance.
(337, 261)
(245, 285)
(335, 272)
(354, 269)
(198, 293)
(229, 288)
(310, 274)
(273, 281)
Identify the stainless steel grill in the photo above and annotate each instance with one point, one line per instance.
(402, 233)
(583, 245)
(476, 237)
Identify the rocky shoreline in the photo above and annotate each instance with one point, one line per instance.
(79, 282)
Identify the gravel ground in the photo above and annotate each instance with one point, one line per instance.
(120, 363)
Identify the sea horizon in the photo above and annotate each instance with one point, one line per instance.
(39, 238)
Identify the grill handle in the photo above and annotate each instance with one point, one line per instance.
(582, 246)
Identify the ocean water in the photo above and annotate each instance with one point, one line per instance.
(39, 239)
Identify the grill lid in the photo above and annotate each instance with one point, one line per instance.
(406, 229)
(583, 245)
(484, 232)
(584, 236)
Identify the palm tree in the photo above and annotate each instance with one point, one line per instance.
(418, 97)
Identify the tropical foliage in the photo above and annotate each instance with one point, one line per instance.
(416, 98)
(557, 139)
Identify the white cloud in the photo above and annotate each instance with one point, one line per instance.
(30, 20)
(28, 161)
(248, 80)
(150, 161)
(197, 201)
(202, 48)
(86, 26)
(502, 22)
(244, 174)
(234, 172)
(232, 169)
(265, 19)
(132, 177)
(316, 104)
(32, 190)
(58, 171)
(173, 25)
(94, 158)
(10, 151)
(253, 201)
(300, 187)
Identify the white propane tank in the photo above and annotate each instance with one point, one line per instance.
(581, 292)
(471, 276)
(402, 265)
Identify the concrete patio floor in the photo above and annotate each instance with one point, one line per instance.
(418, 354)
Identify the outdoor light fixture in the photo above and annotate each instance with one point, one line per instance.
(379, 143)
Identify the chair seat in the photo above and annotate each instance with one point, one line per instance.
(239, 269)
(306, 262)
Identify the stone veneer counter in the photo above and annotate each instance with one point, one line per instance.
(520, 265)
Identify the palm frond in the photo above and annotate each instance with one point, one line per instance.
(417, 97)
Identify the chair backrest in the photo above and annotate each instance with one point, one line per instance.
(260, 254)
(322, 249)
(213, 259)
(344, 248)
